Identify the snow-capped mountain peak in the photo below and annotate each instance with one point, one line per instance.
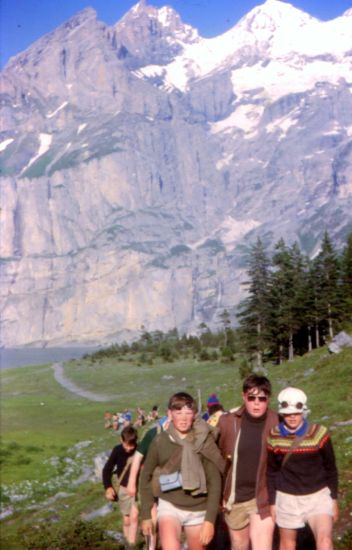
(297, 45)
(273, 15)
(125, 202)
(148, 34)
(161, 21)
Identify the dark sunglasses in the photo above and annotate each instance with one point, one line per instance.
(261, 398)
(285, 404)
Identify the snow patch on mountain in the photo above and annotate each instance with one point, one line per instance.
(282, 123)
(245, 117)
(279, 78)
(5, 143)
(45, 142)
(81, 128)
(62, 106)
(232, 230)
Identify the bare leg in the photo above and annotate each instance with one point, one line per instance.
(288, 539)
(261, 532)
(193, 537)
(126, 527)
(154, 520)
(321, 526)
(170, 533)
(239, 538)
(133, 525)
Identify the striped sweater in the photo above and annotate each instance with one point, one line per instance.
(309, 467)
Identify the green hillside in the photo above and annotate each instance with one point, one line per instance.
(50, 435)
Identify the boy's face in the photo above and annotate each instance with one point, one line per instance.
(293, 421)
(128, 446)
(182, 419)
(256, 402)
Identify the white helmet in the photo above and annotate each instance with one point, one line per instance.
(292, 400)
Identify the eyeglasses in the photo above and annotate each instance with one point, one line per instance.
(261, 398)
(285, 404)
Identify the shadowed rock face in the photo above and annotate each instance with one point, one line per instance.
(129, 201)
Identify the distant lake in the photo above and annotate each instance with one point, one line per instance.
(21, 357)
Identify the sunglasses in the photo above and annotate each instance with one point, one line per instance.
(261, 398)
(285, 404)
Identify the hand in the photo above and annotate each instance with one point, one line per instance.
(147, 527)
(131, 489)
(110, 494)
(273, 512)
(335, 511)
(206, 533)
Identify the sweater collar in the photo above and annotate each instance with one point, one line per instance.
(301, 430)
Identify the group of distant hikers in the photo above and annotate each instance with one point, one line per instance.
(119, 420)
(225, 479)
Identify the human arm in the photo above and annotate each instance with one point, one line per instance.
(335, 510)
(109, 468)
(272, 470)
(213, 479)
(207, 531)
(329, 462)
(110, 494)
(273, 512)
(146, 492)
(147, 527)
(132, 479)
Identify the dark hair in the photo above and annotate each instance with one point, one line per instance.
(155, 408)
(214, 408)
(129, 435)
(180, 400)
(259, 382)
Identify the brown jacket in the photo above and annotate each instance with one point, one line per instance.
(229, 431)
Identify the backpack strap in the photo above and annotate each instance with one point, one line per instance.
(294, 445)
(174, 459)
(127, 465)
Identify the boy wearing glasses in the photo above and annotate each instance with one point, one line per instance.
(242, 442)
(302, 474)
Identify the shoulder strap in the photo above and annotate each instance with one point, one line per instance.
(127, 465)
(294, 445)
(174, 459)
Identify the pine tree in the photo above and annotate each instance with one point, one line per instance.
(287, 293)
(254, 311)
(329, 301)
(346, 279)
(310, 304)
(300, 295)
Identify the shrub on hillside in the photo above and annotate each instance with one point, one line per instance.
(74, 536)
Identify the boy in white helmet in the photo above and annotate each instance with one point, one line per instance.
(302, 474)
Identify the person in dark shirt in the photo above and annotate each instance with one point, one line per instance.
(137, 463)
(119, 462)
(242, 441)
(302, 474)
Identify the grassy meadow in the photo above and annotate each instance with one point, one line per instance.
(50, 436)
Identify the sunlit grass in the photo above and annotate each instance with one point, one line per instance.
(42, 422)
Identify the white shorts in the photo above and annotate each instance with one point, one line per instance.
(185, 517)
(293, 511)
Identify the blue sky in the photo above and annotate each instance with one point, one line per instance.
(24, 21)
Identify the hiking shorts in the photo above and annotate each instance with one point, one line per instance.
(185, 517)
(293, 511)
(238, 517)
(125, 501)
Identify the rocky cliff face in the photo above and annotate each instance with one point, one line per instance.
(140, 161)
